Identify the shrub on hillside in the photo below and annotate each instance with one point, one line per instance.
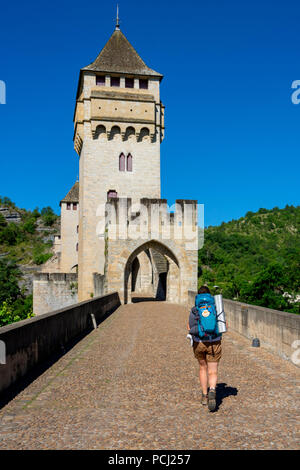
(6, 202)
(13, 312)
(11, 234)
(3, 222)
(48, 216)
(39, 255)
(9, 277)
(29, 225)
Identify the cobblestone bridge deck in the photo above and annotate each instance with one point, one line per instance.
(133, 384)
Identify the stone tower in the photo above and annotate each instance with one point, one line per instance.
(116, 232)
(118, 128)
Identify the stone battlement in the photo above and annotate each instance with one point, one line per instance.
(55, 277)
(150, 218)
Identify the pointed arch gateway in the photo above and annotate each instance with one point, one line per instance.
(163, 281)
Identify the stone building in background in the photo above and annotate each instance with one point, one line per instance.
(116, 232)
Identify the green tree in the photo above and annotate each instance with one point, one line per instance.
(11, 234)
(6, 202)
(9, 276)
(11, 313)
(239, 256)
(48, 216)
(3, 222)
(29, 225)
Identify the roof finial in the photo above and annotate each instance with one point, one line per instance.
(118, 19)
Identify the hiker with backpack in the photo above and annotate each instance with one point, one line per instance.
(206, 338)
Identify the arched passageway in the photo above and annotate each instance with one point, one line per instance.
(152, 273)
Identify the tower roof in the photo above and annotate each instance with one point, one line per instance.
(118, 56)
(73, 194)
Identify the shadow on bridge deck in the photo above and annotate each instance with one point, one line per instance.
(137, 299)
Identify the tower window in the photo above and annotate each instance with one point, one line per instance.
(68, 206)
(129, 82)
(129, 162)
(75, 206)
(100, 80)
(115, 81)
(76, 246)
(112, 193)
(143, 84)
(122, 162)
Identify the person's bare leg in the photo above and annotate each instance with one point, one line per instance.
(212, 370)
(203, 376)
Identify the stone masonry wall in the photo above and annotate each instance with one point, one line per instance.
(52, 291)
(69, 238)
(155, 229)
(99, 173)
(33, 341)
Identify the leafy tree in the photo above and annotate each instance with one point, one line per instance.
(255, 259)
(3, 222)
(11, 313)
(35, 213)
(6, 202)
(48, 216)
(11, 234)
(29, 225)
(9, 276)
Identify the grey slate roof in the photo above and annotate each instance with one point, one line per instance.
(73, 194)
(119, 56)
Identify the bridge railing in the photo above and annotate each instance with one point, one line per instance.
(277, 331)
(29, 343)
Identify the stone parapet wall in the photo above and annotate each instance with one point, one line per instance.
(31, 342)
(99, 280)
(277, 331)
(52, 291)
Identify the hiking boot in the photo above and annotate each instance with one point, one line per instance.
(203, 399)
(212, 400)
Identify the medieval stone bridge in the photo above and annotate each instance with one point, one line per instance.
(132, 383)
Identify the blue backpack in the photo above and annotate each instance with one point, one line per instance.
(207, 322)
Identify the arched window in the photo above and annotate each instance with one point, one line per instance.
(115, 133)
(122, 162)
(112, 193)
(100, 132)
(129, 162)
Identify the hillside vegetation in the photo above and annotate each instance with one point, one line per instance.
(26, 239)
(255, 259)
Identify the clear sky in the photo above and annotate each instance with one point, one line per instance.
(232, 132)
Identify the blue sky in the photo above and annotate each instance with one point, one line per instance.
(232, 132)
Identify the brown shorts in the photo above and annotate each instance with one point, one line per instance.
(208, 351)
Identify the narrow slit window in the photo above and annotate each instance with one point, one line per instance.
(129, 162)
(122, 162)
